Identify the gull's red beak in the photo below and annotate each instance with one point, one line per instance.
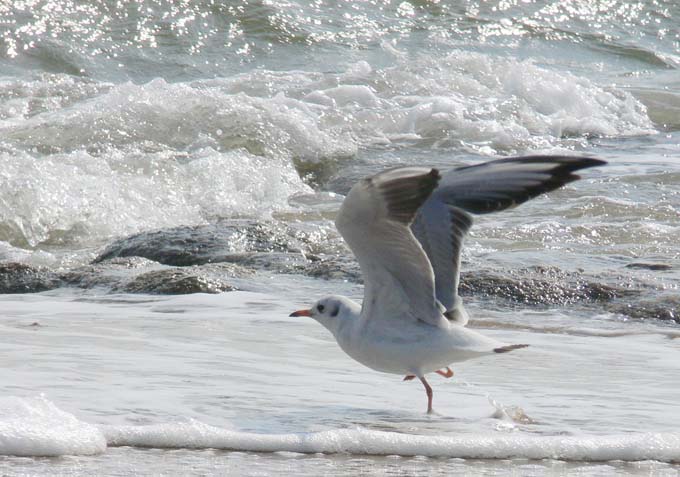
(301, 313)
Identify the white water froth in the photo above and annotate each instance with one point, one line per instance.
(23, 98)
(236, 373)
(664, 447)
(36, 427)
(77, 196)
(84, 161)
(180, 116)
(496, 103)
(487, 104)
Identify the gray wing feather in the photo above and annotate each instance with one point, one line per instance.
(441, 228)
(497, 185)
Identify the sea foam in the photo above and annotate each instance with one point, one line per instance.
(664, 447)
(491, 104)
(81, 196)
(36, 427)
(84, 161)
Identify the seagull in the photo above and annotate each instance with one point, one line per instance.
(406, 227)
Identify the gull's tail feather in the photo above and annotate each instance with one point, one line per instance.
(505, 349)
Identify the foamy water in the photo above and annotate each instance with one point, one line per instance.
(122, 158)
(232, 372)
(146, 116)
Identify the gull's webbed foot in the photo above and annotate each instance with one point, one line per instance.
(446, 372)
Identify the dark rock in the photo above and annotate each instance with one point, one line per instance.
(649, 266)
(665, 308)
(174, 282)
(278, 262)
(109, 273)
(23, 278)
(140, 275)
(223, 242)
(335, 269)
(128, 263)
(540, 286)
(181, 281)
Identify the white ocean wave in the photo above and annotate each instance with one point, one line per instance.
(83, 197)
(663, 447)
(84, 161)
(37, 427)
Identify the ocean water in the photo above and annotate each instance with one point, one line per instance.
(127, 117)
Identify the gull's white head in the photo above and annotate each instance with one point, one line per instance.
(332, 312)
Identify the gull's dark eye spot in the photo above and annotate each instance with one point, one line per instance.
(320, 308)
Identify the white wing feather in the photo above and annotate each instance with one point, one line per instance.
(374, 220)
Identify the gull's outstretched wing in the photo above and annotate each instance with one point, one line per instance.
(497, 185)
(443, 221)
(374, 220)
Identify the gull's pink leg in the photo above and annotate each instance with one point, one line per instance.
(447, 374)
(409, 377)
(428, 391)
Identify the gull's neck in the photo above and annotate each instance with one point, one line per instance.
(347, 319)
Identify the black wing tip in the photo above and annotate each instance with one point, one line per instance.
(506, 349)
(565, 167)
(592, 161)
(575, 163)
